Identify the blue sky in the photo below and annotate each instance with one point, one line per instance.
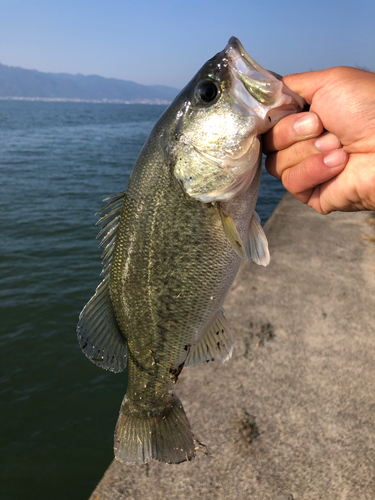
(166, 42)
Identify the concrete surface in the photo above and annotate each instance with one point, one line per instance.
(292, 414)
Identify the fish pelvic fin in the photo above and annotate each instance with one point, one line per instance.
(165, 435)
(217, 342)
(98, 333)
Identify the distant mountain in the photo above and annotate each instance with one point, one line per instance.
(31, 84)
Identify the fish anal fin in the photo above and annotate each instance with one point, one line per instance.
(257, 245)
(98, 333)
(217, 342)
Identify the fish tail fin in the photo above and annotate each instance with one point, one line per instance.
(164, 436)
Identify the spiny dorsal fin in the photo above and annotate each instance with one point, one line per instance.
(98, 333)
(217, 342)
(257, 244)
(110, 217)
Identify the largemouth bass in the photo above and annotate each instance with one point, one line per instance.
(174, 241)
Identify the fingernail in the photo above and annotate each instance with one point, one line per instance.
(327, 142)
(307, 125)
(335, 158)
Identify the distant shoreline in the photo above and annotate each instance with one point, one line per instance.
(18, 84)
(103, 101)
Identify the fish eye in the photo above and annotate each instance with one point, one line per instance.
(207, 91)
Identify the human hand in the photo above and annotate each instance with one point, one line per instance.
(333, 169)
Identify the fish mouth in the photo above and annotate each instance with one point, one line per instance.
(264, 86)
(244, 64)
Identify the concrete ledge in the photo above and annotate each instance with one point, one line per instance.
(292, 414)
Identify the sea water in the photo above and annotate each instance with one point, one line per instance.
(58, 160)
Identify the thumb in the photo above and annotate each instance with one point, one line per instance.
(343, 98)
(307, 84)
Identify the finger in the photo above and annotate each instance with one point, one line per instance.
(313, 171)
(340, 96)
(276, 163)
(291, 129)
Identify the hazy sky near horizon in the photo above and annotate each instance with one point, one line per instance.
(166, 42)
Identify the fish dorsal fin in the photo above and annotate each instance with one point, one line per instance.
(98, 333)
(257, 244)
(232, 234)
(109, 220)
(217, 342)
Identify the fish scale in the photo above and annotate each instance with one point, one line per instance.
(174, 242)
(167, 305)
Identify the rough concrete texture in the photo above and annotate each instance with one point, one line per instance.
(292, 414)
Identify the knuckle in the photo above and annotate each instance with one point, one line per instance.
(365, 181)
(301, 150)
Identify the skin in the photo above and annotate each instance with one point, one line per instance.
(326, 157)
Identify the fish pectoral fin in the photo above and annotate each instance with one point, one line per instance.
(232, 234)
(257, 245)
(98, 333)
(217, 342)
